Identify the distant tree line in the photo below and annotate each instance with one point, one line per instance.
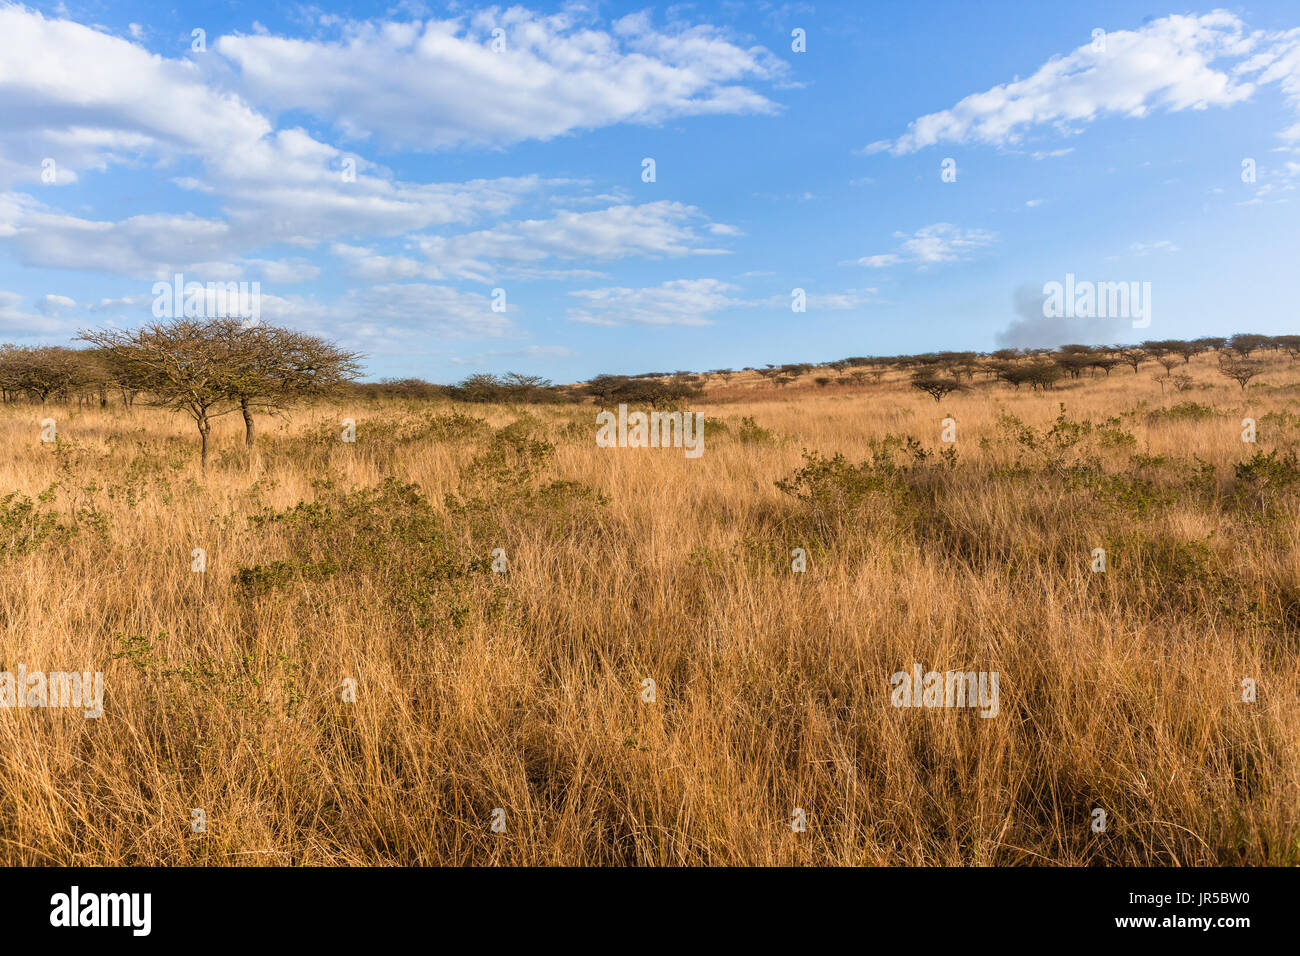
(210, 368)
(657, 389)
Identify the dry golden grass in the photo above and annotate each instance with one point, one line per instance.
(478, 690)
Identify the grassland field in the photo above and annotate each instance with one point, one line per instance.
(350, 682)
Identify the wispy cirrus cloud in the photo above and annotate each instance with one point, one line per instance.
(1279, 62)
(531, 353)
(1147, 248)
(385, 318)
(676, 302)
(932, 245)
(662, 229)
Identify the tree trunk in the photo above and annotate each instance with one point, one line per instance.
(205, 428)
(248, 422)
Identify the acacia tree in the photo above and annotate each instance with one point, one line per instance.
(937, 387)
(1168, 361)
(1104, 362)
(272, 368)
(1156, 349)
(179, 364)
(1133, 357)
(1240, 371)
(212, 367)
(1041, 375)
(1247, 342)
(1073, 363)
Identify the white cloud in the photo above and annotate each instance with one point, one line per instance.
(1169, 64)
(282, 271)
(827, 301)
(439, 83)
(377, 318)
(148, 247)
(834, 301)
(1279, 63)
(393, 319)
(404, 308)
(531, 353)
(677, 302)
(363, 263)
(132, 303)
(52, 304)
(16, 324)
(931, 245)
(89, 100)
(85, 98)
(1146, 248)
(653, 230)
(158, 244)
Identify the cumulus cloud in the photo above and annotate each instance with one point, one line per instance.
(438, 83)
(88, 100)
(932, 245)
(52, 304)
(1173, 63)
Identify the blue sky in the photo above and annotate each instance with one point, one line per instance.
(1113, 158)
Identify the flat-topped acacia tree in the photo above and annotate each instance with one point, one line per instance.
(273, 367)
(1239, 370)
(212, 367)
(1244, 343)
(937, 386)
(178, 364)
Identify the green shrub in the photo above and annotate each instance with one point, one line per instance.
(24, 527)
(1182, 412)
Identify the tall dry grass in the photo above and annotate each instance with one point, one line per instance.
(523, 691)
